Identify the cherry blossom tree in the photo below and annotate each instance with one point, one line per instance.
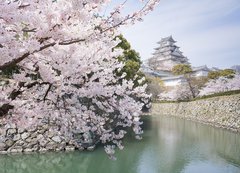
(178, 93)
(64, 53)
(221, 84)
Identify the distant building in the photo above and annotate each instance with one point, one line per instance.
(166, 56)
(214, 69)
(166, 76)
(148, 70)
(174, 80)
(201, 71)
(236, 68)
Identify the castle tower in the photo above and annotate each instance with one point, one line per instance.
(166, 56)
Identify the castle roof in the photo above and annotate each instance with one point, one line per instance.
(150, 71)
(176, 53)
(169, 38)
(173, 78)
(172, 58)
(201, 68)
(167, 47)
(166, 55)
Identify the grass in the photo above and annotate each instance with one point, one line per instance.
(227, 93)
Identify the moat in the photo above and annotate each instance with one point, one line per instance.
(169, 145)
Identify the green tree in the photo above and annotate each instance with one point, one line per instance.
(213, 74)
(229, 73)
(8, 72)
(181, 69)
(132, 64)
(131, 59)
(186, 70)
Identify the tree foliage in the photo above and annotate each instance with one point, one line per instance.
(131, 60)
(186, 70)
(221, 84)
(155, 86)
(181, 69)
(229, 73)
(184, 92)
(177, 93)
(65, 51)
(197, 83)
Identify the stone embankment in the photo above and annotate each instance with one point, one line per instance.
(221, 111)
(44, 137)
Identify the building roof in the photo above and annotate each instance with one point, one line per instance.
(166, 46)
(173, 78)
(169, 38)
(214, 69)
(174, 58)
(236, 68)
(168, 52)
(179, 54)
(172, 49)
(148, 70)
(200, 68)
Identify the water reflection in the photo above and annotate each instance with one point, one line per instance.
(170, 145)
(182, 144)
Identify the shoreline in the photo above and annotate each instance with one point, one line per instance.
(221, 112)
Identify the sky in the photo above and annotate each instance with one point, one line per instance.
(207, 31)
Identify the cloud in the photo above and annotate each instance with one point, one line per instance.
(208, 31)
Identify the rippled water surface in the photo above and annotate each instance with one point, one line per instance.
(170, 145)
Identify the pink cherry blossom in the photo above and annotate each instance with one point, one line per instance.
(221, 84)
(64, 51)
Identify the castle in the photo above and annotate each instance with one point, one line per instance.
(165, 57)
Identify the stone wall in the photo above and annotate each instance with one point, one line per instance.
(221, 111)
(45, 137)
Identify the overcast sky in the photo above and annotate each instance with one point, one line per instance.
(207, 31)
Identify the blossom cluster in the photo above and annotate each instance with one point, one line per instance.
(64, 52)
(181, 92)
(221, 84)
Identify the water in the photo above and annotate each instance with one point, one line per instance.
(170, 145)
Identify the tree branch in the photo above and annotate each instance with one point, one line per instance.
(16, 93)
(49, 87)
(21, 58)
(5, 108)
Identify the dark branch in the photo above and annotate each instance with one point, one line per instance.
(49, 87)
(16, 93)
(71, 41)
(23, 6)
(21, 58)
(5, 108)
(29, 30)
(14, 61)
